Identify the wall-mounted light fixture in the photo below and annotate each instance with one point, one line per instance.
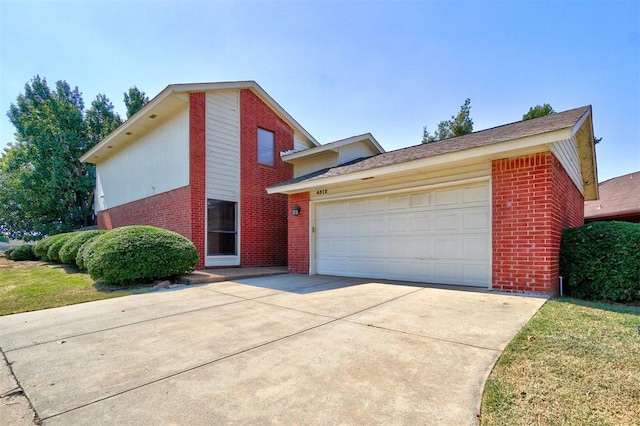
(296, 210)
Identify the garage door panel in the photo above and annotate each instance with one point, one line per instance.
(397, 224)
(476, 274)
(420, 200)
(475, 194)
(475, 220)
(475, 248)
(419, 223)
(441, 236)
(446, 197)
(398, 202)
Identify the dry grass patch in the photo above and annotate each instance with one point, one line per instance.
(31, 286)
(575, 362)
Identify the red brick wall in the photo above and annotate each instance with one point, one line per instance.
(197, 170)
(263, 223)
(170, 210)
(533, 201)
(299, 234)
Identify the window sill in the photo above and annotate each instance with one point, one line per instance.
(222, 260)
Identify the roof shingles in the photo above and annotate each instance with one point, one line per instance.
(504, 133)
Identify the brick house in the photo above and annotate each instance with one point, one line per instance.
(196, 160)
(485, 209)
(224, 165)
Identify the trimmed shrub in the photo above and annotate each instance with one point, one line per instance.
(54, 249)
(4, 238)
(83, 253)
(133, 254)
(7, 252)
(69, 251)
(41, 248)
(601, 261)
(23, 252)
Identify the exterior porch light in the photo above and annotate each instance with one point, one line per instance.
(296, 210)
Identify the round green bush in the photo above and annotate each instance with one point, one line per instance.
(134, 254)
(4, 238)
(601, 261)
(69, 251)
(54, 249)
(41, 248)
(83, 253)
(23, 252)
(7, 252)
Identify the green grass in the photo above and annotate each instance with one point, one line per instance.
(49, 286)
(574, 362)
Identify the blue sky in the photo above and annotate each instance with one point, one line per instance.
(346, 68)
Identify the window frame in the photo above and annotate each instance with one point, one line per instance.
(235, 230)
(272, 153)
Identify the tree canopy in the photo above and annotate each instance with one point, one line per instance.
(44, 188)
(459, 124)
(538, 111)
(134, 100)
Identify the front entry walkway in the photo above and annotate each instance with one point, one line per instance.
(284, 349)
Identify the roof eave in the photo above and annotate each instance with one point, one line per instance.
(585, 139)
(332, 146)
(484, 152)
(196, 87)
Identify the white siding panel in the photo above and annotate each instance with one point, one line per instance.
(155, 163)
(354, 151)
(319, 162)
(300, 142)
(566, 151)
(439, 236)
(223, 145)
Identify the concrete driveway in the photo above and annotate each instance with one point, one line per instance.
(287, 349)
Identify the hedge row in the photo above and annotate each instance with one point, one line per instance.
(126, 255)
(601, 261)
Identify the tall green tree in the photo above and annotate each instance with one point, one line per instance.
(134, 100)
(538, 111)
(101, 119)
(459, 124)
(44, 188)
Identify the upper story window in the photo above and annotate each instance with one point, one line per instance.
(266, 147)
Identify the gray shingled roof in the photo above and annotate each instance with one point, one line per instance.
(504, 133)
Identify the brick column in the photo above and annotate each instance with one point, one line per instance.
(533, 201)
(299, 234)
(197, 170)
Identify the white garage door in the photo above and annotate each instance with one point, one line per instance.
(440, 236)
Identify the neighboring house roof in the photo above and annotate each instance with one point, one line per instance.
(521, 134)
(172, 98)
(332, 146)
(619, 199)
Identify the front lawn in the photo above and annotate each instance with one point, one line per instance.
(574, 362)
(32, 286)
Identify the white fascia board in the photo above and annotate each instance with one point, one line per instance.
(488, 151)
(579, 123)
(331, 146)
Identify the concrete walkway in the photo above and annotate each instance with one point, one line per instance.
(285, 349)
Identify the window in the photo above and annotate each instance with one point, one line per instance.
(221, 228)
(266, 147)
